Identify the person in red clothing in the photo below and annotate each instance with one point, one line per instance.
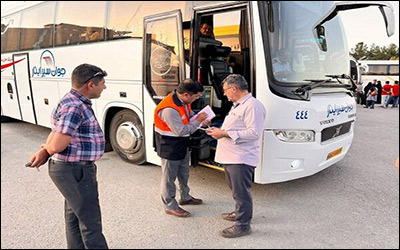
(386, 93)
(394, 96)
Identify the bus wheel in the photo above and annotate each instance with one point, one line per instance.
(127, 137)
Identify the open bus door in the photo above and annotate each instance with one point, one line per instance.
(24, 88)
(163, 67)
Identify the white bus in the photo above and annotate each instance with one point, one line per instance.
(147, 48)
(357, 69)
(381, 70)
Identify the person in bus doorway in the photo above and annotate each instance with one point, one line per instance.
(238, 151)
(75, 142)
(206, 31)
(173, 128)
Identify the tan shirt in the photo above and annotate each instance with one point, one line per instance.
(244, 124)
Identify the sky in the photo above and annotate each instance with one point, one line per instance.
(367, 25)
(361, 25)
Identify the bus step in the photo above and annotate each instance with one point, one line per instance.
(210, 164)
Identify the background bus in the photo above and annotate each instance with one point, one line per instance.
(147, 48)
(381, 70)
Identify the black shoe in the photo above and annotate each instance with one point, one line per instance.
(229, 216)
(193, 201)
(235, 231)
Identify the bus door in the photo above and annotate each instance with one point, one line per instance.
(9, 96)
(163, 67)
(24, 88)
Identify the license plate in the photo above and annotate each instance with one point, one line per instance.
(334, 153)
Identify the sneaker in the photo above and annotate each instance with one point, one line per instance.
(235, 231)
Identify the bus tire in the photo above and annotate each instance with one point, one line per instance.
(127, 137)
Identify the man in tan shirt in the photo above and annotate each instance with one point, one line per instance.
(238, 150)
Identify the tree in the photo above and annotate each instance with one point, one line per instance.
(362, 52)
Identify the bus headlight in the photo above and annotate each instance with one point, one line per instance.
(295, 135)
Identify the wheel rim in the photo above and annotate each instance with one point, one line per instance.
(129, 137)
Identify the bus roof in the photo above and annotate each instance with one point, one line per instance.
(379, 62)
(11, 7)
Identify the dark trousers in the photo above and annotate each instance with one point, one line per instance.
(240, 178)
(77, 183)
(370, 104)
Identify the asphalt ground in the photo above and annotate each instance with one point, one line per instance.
(352, 204)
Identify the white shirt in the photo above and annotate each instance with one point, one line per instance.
(244, 124)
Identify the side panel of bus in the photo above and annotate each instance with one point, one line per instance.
(9, 93)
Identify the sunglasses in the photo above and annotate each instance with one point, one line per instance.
(100, 73)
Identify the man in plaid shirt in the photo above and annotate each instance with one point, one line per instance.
(76, 141)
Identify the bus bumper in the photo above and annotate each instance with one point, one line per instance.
(285, 161)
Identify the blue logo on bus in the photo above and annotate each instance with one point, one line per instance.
(48, 66)
(302, 115)
(339, 109)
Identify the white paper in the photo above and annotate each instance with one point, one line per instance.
(207, 110)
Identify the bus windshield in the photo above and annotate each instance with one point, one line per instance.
(300, 50)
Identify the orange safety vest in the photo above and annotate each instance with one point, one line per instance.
(167, 144)
(169, 102)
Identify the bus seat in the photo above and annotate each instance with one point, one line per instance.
(219, 69)
(206, 48)
(204, 42)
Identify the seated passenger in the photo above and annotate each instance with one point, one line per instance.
(281, 65)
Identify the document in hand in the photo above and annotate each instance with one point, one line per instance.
(207, 110)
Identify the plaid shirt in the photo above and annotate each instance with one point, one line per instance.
(74, 116)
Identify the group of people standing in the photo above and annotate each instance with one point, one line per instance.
(375, 93)
(76, 141)
(237, 149)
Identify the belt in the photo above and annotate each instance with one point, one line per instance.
(77, 163)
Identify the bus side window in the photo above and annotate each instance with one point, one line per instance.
(10, 33)
(37, 29)
(186, 40)
(74, 26)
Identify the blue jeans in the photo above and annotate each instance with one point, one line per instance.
(395, 100)
(77, 183)
(370, 103)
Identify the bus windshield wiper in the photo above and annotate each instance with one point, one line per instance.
(344, 76)
(315, 83)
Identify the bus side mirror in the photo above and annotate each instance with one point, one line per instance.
(321, 39)
(388, 16)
